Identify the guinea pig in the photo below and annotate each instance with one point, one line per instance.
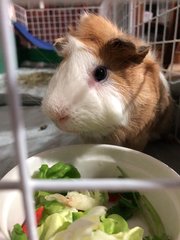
(109, 87)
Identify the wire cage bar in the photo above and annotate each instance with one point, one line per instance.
(138, 18)
(158, 23)
(16, 114)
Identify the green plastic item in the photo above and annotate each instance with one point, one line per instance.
(35, 55)
(1, 61)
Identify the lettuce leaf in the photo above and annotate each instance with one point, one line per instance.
(114, 224)
(54, 223)
(89, 227)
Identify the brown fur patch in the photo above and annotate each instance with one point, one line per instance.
(94, 32)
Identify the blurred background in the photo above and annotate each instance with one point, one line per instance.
(36, 24)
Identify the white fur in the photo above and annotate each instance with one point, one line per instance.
(164, 81)
(84, 15)
(94, 111)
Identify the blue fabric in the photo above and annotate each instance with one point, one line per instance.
(21, 28)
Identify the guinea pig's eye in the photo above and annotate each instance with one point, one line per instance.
(100, 73)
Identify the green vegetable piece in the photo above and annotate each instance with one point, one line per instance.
(54, 223)
(126, 206)
(58, 170)
(40, 198)
(134, 234)
(53, 207)
(62, 170)
(101, 198)
(122, 173)
(121, 224)
(50, 207)
(17, 233)
(114, 224)
(108, 226)
(152, 218)
(77, 215)
(41, 174)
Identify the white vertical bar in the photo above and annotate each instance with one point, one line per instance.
(177, 122)
(134, 9)
(29, 4)
(157, 20)
(65, 18)
(164, 33)
(143, 24)
(43, 30)
(149, 22)
(114, 2)
(37, 24)
(9, 53)
(138, 19)
(131, 18)
(127, 16)
(123, 14)
(174, 42)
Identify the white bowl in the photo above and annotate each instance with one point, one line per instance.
(101, 161)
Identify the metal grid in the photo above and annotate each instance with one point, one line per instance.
(158, 23)
(26, 184)
(20, 14)
(51, 23)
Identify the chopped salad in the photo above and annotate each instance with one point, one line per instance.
(88, 215)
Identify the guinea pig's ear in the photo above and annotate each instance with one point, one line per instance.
(120, 44)
(59, 45)
(120, 51)
(141, 52)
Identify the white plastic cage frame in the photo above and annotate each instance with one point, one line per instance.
(26, 184)
(158, 23)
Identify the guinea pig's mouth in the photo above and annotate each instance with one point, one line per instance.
(62, 121)
(64, 118)
(65, 124)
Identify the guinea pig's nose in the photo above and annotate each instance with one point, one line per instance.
(63, 115)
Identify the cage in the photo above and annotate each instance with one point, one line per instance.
(50, 23)
(157, 22)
